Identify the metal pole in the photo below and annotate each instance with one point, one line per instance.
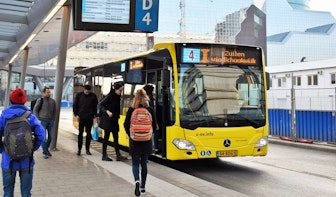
(60, 71)
(294, 134)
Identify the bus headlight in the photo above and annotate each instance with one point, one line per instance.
(261, 142)
(183, 144)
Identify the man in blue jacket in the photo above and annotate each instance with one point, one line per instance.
(9, 168)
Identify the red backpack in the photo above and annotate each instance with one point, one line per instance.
(141, 128)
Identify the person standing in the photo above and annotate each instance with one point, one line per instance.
(139, 150)
(149, 91)
(25, 166)
(45, 110)
(85, 111)
(109, 108)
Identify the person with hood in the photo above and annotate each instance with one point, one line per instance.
(109, 108)
(25, 166)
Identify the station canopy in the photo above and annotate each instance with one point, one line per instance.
(35, 24)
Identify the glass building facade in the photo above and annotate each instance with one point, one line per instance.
(294, 33)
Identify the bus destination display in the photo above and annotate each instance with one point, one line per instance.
(106, 11)
(217, 55)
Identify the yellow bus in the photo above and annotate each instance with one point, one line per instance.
(210, 98)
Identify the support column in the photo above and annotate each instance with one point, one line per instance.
(63, 46)
(9, 81)
(24, 67)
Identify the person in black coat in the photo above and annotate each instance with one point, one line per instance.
(109, 108)
(139, 150)
(85, 111)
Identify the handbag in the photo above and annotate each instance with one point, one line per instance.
(95, 133)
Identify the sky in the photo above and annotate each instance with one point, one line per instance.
(324, 5)
(202, 14)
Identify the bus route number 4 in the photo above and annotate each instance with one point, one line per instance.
(191, 55)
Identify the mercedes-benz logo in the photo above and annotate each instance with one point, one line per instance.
(227, 143)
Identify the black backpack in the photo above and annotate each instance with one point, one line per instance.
(18, 138)
(33, 102)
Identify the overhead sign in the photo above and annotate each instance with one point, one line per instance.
(106, 11)
(146, 15)
(116, 15)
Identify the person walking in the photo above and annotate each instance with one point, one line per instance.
(45, 110)
(109, 108)
(139, 150)
(24, 166)
(85, 111)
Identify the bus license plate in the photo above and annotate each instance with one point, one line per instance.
(227, 153)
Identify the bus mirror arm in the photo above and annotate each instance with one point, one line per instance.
(167, 62)
(165, 78)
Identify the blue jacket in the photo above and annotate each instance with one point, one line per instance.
(13, 111)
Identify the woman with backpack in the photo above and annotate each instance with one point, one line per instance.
(140, 145)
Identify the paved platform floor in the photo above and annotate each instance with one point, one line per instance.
(66, 174)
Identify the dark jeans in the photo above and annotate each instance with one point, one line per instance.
(138, 160)
(87, 125)
(26, 182)
(115, 142)
(49, 127)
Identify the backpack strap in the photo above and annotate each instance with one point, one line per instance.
(20, 118)
(40, 106)
(26, 114)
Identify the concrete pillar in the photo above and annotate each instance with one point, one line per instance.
(24, 67)
(63, 46)
(9, 81)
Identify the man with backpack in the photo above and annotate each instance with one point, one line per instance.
(22, 135)
(45, 111)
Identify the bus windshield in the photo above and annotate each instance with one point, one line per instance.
(216, 95)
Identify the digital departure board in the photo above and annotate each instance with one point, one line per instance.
(116, 15)
(106, 11)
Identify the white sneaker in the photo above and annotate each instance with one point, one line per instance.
(143, 190)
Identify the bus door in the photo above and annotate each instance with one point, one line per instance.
(154, 78)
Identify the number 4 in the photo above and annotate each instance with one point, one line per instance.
(191, 55)
(147, 18)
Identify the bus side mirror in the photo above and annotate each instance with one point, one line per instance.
(268, 81)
